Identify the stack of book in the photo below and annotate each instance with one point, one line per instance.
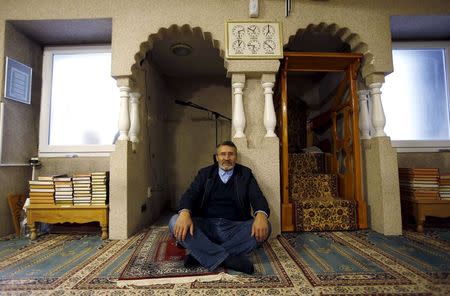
(419, 183)
(100, 182)
(41, 191)
(81, 189)
(444, 186)
(63, 190)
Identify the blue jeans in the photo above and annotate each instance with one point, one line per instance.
(216, 238)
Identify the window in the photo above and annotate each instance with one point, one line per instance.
(416, 96)
(80, 101)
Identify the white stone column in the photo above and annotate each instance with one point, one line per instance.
(378, 118)
(134, 117)
(124, 115)
(238, 109)
(270, 119)
(364, 117)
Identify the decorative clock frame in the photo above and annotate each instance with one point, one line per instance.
(253, 40)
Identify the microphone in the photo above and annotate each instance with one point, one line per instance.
(182, 103)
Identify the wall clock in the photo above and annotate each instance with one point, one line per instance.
(253, 40)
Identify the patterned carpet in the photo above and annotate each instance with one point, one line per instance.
(338, 263)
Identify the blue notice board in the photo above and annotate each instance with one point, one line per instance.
(18, 81)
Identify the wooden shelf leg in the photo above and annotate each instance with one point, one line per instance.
(104, 231)
(420, 221)
(32, 226)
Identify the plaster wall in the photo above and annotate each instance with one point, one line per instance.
(139, 167)
(20, 124)
(63, 165)
(154, 129)
(259, 153)
(131, 25)
(382, 186)
(191, 132)
(133, 21)
(440, 160)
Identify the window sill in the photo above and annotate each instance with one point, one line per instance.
(74, 154)
(421, 146)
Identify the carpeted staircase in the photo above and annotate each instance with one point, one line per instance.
(314, 195)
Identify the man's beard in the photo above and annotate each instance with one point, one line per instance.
(226, 166)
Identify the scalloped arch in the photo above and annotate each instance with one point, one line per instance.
(185, 30)
(346, 36)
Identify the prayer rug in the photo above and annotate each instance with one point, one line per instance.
(277, 273)
(427, 255)
(157, 259)
(326, 259)
(46, 263)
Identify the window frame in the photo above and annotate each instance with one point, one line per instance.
(426, 145)
(45, 149)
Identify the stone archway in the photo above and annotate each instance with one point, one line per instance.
(353, 40)
(174, 30)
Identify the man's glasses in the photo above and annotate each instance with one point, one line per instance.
(224, 154)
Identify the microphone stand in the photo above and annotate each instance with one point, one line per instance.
(217, 115)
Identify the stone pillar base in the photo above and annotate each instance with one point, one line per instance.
(118, 197)
(382, 186)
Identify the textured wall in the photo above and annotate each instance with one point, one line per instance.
(191, 132)
(137, 167)
(382, 186)
(61, 165)
(20, 123)
(440, 160)
(133, 21)
(131, 25)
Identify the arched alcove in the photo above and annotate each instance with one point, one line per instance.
(181, 64)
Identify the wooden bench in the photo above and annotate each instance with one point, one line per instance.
(422, 208)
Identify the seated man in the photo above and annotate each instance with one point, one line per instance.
(215, 222)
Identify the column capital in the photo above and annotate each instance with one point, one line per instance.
(124, 88)
(251, 67)
(124, 81)
(134, 97)
(374, 78)
(375, 88)
(268, 87)
(268, 78)
(363, 92)
(238, 85)
(238, 78)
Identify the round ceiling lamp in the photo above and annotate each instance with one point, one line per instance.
(181, 49)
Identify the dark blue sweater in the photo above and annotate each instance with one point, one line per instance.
(221, 203)
(247, 198)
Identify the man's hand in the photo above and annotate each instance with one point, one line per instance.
(260, 227)
(183, 224)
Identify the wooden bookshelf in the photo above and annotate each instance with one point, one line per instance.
(67, 213)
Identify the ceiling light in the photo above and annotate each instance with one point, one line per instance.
(181, 49)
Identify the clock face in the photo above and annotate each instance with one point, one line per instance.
(239, 46)
(253, 31)
(268, 31)
(269, 46)
(253, 46)
(253, 40)
(238, 31)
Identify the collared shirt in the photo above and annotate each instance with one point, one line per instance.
(225, 175)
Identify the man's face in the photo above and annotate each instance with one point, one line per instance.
(226, 157)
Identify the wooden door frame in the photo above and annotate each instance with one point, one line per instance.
(320, 62)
